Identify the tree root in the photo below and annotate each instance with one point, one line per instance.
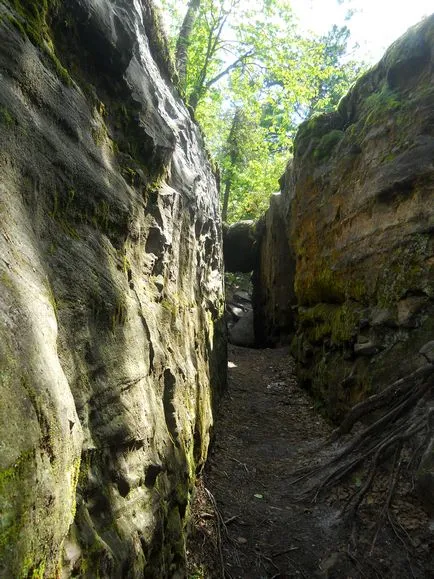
(219, 525)
(401, 399)
(393, 392)
(394, 440)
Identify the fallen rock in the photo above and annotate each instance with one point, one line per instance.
(427, 351)
(242, 333)
(365, 348)
(408, 308)
(382, 317)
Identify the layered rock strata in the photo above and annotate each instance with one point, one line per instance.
(111, 302)
(358, 210)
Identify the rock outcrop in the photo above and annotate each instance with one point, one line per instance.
(358, 210)
(111, 304)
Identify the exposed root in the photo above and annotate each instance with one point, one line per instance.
(400, 399)
(394, 392)
(385, 511)
(396, 438)
(219, 524)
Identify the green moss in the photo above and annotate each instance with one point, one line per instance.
(327, 143)
(6, 280)
(53, 213)
(321, 130)
(11, 528)
(404, 272)
(33, 23)
(130, 174)
(120, 315)
(384, 99)
(379, 106)
(52, 299)
(101, 216)
(17, 24)
(76, 467)
(65, 213)
(169, 306)
(32, 570)
(99, 135)
(6, 117)
(158, 41)
(68, 229)
(124, 259)
(59, 210)
(321, 285)
(338, 322)
(85, 465)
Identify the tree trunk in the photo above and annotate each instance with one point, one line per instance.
(233, 152)
(184, 40)
(226, 200)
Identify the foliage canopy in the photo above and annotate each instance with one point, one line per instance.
(251, 77)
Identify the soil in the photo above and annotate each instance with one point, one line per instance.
(250, 516)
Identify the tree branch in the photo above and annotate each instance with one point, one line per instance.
(228, 69)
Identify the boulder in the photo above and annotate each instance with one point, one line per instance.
(242, 332)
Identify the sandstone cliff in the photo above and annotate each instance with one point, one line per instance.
(111, 339)
(358, 207)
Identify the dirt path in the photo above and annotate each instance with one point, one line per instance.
(266, 429)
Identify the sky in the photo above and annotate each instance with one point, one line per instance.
(374, 26)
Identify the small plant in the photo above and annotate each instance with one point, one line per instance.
(5, 117)
(327, 143)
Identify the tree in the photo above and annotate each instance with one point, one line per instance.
(233, 156)
(251, 78)
(183, 40)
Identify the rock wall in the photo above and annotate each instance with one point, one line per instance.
(273, 297)
(358, 207)
(111, 302)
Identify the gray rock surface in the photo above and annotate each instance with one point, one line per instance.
(242, 333)
(112, 344)
(427, 351)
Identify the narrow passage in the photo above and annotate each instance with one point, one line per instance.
(248, 521)
(264, 429)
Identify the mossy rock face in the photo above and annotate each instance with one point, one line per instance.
(112, 339)
(358, 211)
